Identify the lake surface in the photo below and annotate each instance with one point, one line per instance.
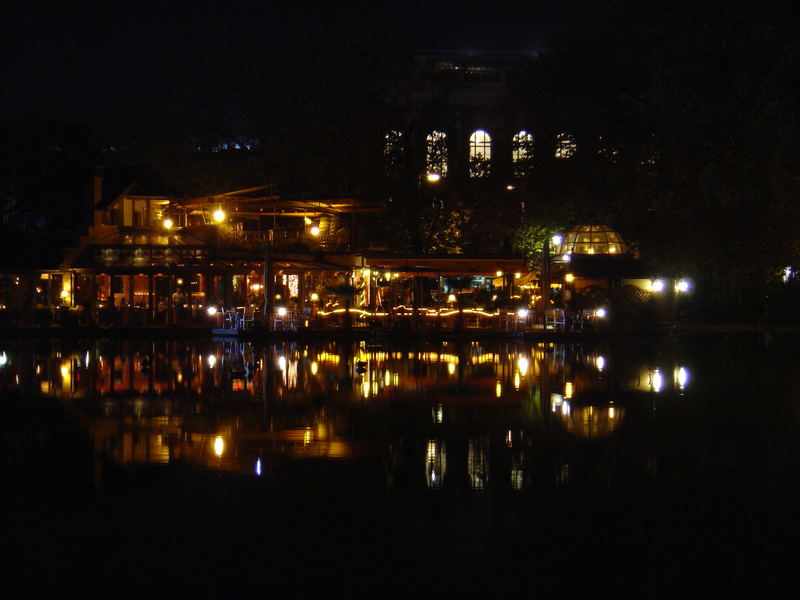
(659, 467)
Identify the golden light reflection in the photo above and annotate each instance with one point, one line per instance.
(498, 389)
(569, 390)
(522, 365)
(314, 367)
(219, 446)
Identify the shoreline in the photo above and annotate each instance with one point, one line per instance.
(378, 334)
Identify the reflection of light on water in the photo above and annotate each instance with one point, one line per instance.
(3, 359)
(282, 363)
(610, 412)
(522, 365)
(681, 377)
(66, 376)
(212, 360)
(568, 390)
(86, 358)
(219, 445)
(516, 381)
(600, 362)
(477, 464)
(387, 379)
(258, 467)
(498, 389)
(509, 439)
(365, 388)
(307, 436)
(451, 367)
(565, 408)
(556, 400)
(314, 367)
(438, 414)
(435, 464)
(656, 381)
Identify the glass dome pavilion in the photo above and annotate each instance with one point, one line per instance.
(591, 239)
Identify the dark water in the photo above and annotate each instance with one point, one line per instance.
(651, 467)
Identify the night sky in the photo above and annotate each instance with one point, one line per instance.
(77, 58)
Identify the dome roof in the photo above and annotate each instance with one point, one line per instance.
(591, 239)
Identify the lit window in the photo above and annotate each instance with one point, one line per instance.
(436, 153)
(565, 145)
(393, 151)
(480, 153)
(522, 153)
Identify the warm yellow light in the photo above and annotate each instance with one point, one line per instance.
(219, 215)
(517, 275)
(451, 298)
(433, 177)
(499, 273)
(281, 311)
(657, 285)
(255, 287)
(212, 360)
(451, 368)
(612, 249)
(211, 310)
(179, 281)
(219, 445)
(569, 277)
(307, 220)
(522, 313)
(366, 272)
(511, 187)
(498, 389)
(600, 362)
(64, 293)
(522, 365)
(314, 230)
(568, 390)
(314, 367)
(168, 223)
(682, 286)
(314, 296)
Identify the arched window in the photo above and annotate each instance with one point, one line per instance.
(522, 153)
(480, 153)
(393, 151)
(565, 145)
(436, 153)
